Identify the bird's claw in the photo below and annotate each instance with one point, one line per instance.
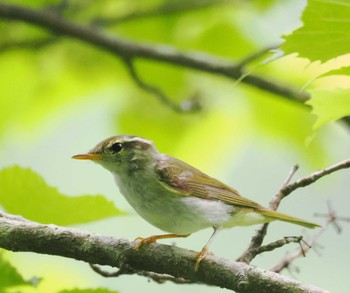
(200, 256)
(143, 241)
(154, 238)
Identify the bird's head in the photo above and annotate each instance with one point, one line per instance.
(121, 153)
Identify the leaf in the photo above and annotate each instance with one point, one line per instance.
(99, 290)
(330, 105)
(9, 275)
(339, 71)
(24, 192)
(325, 33)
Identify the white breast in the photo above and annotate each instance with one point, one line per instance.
(216, 212)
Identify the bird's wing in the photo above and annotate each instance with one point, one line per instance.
(189, 181)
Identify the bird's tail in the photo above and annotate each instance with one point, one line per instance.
(286, 218)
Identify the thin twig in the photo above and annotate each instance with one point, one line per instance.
(306, 181)
(126, 270)
(332, 219)
(300, 252)
(256, 55)
(162, 278)
(287, 188)
(97, 269)
(187, 106)
(277, 244)
(260, 233)
(276, 200)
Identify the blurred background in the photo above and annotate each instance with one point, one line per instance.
(60, 97)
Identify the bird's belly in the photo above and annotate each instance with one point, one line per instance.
(171, 212)
(245, 217)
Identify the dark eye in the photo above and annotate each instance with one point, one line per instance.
(116, 147)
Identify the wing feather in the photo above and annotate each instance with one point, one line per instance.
(187, 180)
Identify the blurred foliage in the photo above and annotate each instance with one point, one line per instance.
(9, 276)
(24, 192)
(46, 79)
(330, 105)
(325, 31)
(338, 71)
(44, 75)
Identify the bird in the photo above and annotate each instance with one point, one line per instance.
(174, 196)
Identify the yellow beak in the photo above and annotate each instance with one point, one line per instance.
(91, 156)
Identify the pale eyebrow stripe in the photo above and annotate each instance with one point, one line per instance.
(139, 139)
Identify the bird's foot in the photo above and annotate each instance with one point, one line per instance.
(154, 238)
(142, 241)
(200, 256)
(205, 250)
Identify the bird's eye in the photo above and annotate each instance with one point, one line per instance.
(116, 147)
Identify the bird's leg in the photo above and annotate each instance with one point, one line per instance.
(154, 238)
(205, 249)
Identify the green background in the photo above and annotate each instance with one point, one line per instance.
(63, 98)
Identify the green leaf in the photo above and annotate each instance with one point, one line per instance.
(99, 290)
(24, 192)
(325, 33)
(339, 71)
(9, 275)
(330, 105)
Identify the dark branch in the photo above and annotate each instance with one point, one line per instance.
(128, 49)
(50, 20)
(256, 55)
(159, 278)
(276, 244)
(188, 106)
(25, 235)
(260, 233)
(276, 200)
(97, 269)
(312, 178)
(287, 188)
(162, 278)
(286, 262)
(332, 219)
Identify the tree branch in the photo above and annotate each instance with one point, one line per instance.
(24, 235)
(128, 49)
(312, 178)
(260, 233)
(286, 189)
(277, 244)
(332, 219)
(187, 106)
(276, 200)
(159, 278)
(124, 48)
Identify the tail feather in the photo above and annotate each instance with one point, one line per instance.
(286, 218)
